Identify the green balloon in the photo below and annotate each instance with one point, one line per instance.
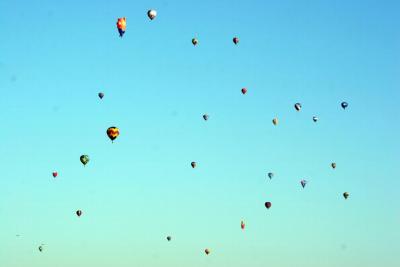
(84, 159)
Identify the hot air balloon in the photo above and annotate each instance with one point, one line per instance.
(79, 213)
(55, 174)
(344, 105)
(275, 121)
(205, 117)
(346, 195)
(101, 95)
(112, 133)
(297, 106)
(152, 14)
(242, 225)
(168, 238)
(193, 164)
(121, 25)
(84, 159)
(270, 175)
(244, 91)
(268, 205)
(235, 40)
(207, 251)
(195, 41)
(333, 164)
(303, 183)
(315, 118)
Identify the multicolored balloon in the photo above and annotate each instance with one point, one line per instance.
(84, 159)
(113, 133)
(121, 26)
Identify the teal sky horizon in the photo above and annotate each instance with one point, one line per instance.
(56, 56)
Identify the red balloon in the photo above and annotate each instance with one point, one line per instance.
(242, 225)
(55, 174)
(268, 205)
(244, 90)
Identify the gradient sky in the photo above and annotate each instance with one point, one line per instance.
(55, 56)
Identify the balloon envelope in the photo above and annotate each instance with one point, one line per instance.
(235, 40)
(275, 121)
(268, 205)
(270, 175)
(205, 117)
(346, 195)
(303, 183)
(207, 251)
(244, 91)
(84, 159)
(79, 213)
(297, 106)
(121, 26)
(152, 14)
(168, 238)
(55, 174)
(112, 133)
(315, 118)
(344, 105)
(195, 41)
(193, 164)
(101, 95)
(333, 165)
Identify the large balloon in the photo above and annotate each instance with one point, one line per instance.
(205, 117)
(275, 121)
(244, 91)
(168, 238)
(344, 105)
(101, 95)
(84, 159)
(152, 14)
(303, 183)
(315, 118)
(112, 133)
(346, 195)
(195, 41)
(270, 175)
(55, 174)
(333, 165)
(193, 164)
(235, 40)
(121, 25)
(79, 213)
(207, 251)
(268, 205)
(297, 106)
(242, 225)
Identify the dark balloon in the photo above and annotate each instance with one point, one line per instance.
(205, 117)
(193, 164)
(333, 165)
(121, 25)
(112, 133)
(270, 175)
(40, 248)
(168, 238)
(297, 106)
(315, 118)
(55, 174)
(244, 91)
(79, 213)
(195, 41)
(242, 225)
(235, 40)
(346, 195)
(207, 251)
(268, 205)
(84, 159)
(101, 95)
(303, 183)
(344, 105)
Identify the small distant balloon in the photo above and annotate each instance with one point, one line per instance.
(235, 40)
(270, 175)
(275, 121)
(315, 118)
(268, 205)
(193, 164)
(121, 26)
(40, 248)
(346, 195)
(333, 165)
(112, 133)
(101, 95)
(297, 106)
(303, 183)
(84, 159)
(244, 91)
(152, 14)
(205, 117)
(344, 105)
(195, 41)
(169, 238)
(242, 225)
(55, 174)
(79, 213)
(207, 251)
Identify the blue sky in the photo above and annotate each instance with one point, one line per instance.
(57, 55)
